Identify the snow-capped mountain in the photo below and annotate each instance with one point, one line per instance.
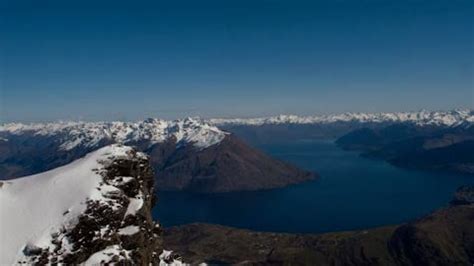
(93, 210)
(421, 118)
(205, 133)
(90, 134)
(185, 154)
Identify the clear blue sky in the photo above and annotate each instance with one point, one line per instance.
(104, 60)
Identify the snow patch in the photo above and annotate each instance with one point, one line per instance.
(134, 205)
(129, 230)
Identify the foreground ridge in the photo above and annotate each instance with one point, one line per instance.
(93, 210)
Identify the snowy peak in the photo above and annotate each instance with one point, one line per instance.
(422, 118)
(94, 134)
(81, 212)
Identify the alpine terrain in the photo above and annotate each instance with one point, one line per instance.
(186, 154)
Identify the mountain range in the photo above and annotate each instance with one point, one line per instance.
(427, 140)
(186, 154)
(291, 127)
(422, 118)
(209, 156)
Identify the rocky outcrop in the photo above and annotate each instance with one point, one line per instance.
(117, 228)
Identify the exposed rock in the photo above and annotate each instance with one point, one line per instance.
(99, 236)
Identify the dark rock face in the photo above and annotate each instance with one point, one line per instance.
(230, 166)
(445, 237)
(409, 146)
(99, 226)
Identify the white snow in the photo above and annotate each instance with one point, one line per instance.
(129, 230)
(105, 255)
(134, 205)
(33, 208)
(90, 134)
(442, 118)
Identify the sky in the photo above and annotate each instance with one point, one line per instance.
(128, 60)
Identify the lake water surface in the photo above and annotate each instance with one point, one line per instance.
(352, 193)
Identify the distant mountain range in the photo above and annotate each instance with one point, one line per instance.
(186, 154)
(429, 140)
(70, 135)
(290, 127)
(421, 118)
(407, 145)
(212, 155)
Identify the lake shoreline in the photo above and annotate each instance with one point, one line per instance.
(352, 193)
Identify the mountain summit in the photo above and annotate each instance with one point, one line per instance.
(93, 210)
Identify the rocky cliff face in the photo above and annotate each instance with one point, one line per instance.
(106, 212)
(123, 231)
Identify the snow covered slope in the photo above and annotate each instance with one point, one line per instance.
(91, 134)
(92, 203)
(439, 118)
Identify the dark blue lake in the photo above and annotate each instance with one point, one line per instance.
(352, 193)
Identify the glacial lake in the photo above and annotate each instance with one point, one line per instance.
(352, 193)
